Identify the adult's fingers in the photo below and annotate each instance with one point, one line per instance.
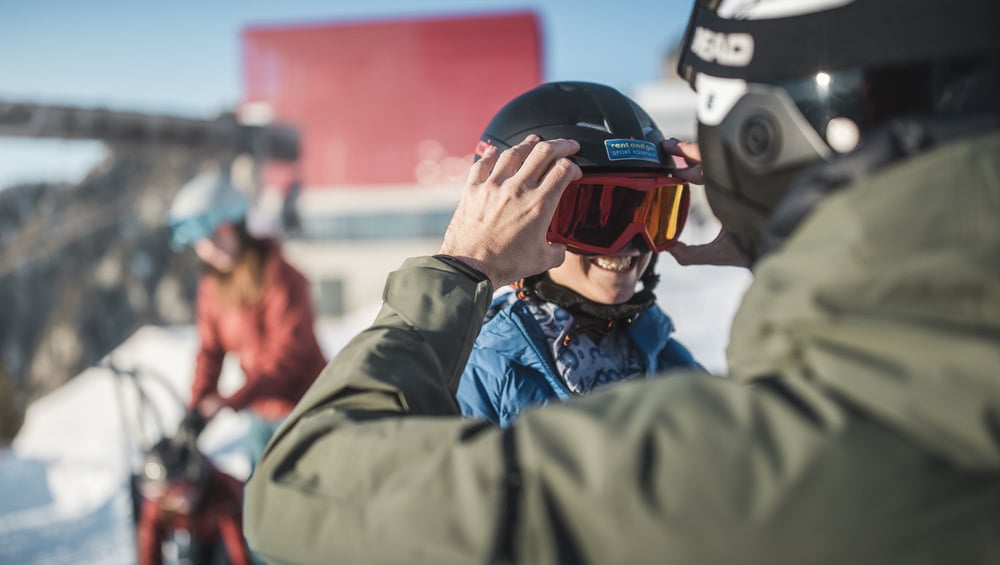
(693, 174)
(542, 158)
(511, 160)
(721, 251)
(555, 254)
(481, 169)
(689, 154)
(549, 192)
(688, 150)
(554, 183)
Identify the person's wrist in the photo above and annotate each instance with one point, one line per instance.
(471, 267)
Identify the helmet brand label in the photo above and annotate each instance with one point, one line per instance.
(730, 49)
(619, 149)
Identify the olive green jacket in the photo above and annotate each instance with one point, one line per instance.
(861, 425)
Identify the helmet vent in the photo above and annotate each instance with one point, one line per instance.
(599, 127)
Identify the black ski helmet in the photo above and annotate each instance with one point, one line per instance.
(783, 86)
(595, 115)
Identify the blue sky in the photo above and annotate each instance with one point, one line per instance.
(183, 57)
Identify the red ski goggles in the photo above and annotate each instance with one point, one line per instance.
(601, 213)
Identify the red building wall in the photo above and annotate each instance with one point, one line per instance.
(390, 102)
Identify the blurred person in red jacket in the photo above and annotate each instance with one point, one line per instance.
(186, 498)
(250, 302)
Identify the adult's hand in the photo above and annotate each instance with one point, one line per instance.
(721, 251)
(506, 207)
(688, 161)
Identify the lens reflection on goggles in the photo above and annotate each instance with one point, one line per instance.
(602, 217)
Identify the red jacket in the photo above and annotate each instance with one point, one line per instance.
(274, 339)
(219, 517)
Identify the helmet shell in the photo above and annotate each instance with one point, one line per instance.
(599, 117)
(202, 205)
(768, 113)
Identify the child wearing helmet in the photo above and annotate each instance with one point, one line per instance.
(583, 325)
(250, 302)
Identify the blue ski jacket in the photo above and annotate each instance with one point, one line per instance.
(511, 366)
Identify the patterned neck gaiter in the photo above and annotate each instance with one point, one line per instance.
(584, 358)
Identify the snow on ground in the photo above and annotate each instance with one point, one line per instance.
(64, 481)
(65, 498)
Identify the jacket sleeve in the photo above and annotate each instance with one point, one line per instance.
(288, 327)
(208, 363)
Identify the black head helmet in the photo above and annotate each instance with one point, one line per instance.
(600, 117)
(783, 85)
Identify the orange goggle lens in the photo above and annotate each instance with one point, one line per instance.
(602, 213)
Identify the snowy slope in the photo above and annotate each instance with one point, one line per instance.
(70, 463)
(63, 483)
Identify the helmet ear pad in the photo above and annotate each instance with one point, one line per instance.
(761, 145)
